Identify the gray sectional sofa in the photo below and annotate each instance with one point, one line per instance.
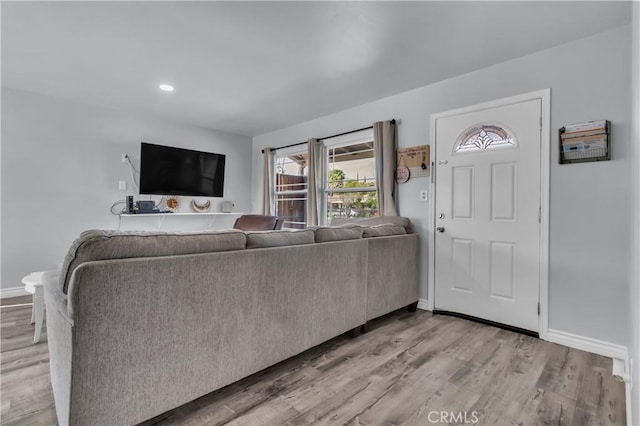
(140, 323)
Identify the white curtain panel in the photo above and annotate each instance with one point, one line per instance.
(314, 182)
(384, 146)
(268, 193)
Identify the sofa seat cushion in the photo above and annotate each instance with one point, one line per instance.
(373, 221)
(326, 234)
(102, 245)
(383, 230)
(263, 239)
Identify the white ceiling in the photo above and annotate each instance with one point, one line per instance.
(254, 67)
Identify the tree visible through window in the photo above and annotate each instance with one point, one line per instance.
(351, 181)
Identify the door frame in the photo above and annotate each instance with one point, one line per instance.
(545, 163)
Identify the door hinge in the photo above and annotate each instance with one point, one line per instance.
(538, 308)
(539, 214)
(540, 123)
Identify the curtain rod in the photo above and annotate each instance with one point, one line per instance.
(393, 121)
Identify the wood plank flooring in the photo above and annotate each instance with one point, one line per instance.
(414, 369)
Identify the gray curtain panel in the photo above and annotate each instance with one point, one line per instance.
(384, 146)
(268, 184)
(314, 196)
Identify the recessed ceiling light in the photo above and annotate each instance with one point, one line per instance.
(166, 87)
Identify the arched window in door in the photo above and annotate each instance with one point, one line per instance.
(482, 137)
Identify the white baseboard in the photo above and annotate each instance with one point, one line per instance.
(12, 292)
(618, 353)
(599, 347)
(424, 305)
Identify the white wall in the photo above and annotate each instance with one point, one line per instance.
(590, 205)
(634, 282)
(61, 163)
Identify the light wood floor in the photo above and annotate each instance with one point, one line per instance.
(407, 370)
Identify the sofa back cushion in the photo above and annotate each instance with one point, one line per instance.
(383, 230)
(373, 221)
(279, 238)
(102, 245)
(326, 234)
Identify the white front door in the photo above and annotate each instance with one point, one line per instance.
(487, 205)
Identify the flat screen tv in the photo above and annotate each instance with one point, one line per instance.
(165, 170)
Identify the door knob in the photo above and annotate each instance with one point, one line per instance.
(440, 229)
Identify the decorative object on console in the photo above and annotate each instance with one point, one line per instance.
(227, 206)
(200, 208)
(172, 203)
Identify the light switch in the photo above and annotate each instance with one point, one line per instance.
(424, 195)
(122, 185)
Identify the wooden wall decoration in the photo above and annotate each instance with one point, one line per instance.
(416, 159)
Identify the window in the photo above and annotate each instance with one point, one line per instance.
(350, 179)
(291, 186)
(482, 137)
(348, 184)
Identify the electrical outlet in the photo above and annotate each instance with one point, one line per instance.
(125, 158)
(122, 185)
(424, 195)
